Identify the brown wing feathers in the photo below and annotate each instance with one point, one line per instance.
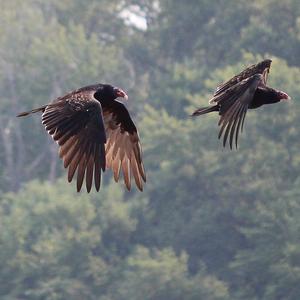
(233, 105)
(79, 131)
(262, 67)
(123, 149)
(123, 152)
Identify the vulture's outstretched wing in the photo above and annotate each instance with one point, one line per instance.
(123, 148)
(262, 68)
(75, 122)
(233, 104)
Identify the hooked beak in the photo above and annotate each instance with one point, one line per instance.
(120, 93)
(284, 96)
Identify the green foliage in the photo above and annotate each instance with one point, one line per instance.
(61, 244)
(152, 274)
(271, 230)
(211, 223)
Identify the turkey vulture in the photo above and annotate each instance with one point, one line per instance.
(233, 98)
(94, 131)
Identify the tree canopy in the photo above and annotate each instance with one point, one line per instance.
(211, 224)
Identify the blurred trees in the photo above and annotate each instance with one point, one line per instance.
(56, 244)
(211, 223)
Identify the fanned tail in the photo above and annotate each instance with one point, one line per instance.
(205, 110)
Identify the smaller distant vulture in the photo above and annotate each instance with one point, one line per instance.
(94, 131)
(233, 98)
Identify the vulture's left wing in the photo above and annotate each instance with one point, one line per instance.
(123, 148)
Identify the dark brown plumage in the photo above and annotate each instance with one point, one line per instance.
(233, 98)
(94, 132)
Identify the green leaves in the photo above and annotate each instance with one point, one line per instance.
(58, 238)
(163, 275)
(211, 223)
(271, 230)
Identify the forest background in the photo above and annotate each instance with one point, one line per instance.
(211, 224)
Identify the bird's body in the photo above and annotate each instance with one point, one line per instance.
(94, 132)
(244, 91)
(263, 96)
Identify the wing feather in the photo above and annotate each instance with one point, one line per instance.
(234, 108)
(123, 148)
(126, 172)
(262, 67)
(90, 169)
(75, 122)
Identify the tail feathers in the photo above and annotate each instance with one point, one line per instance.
(205, 110)
(26, 113)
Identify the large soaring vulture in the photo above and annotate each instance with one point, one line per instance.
(233, 98)
(94, 131)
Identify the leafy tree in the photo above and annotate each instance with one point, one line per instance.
(152, 274)
(271, 229)
(59, 244)
(211, 223)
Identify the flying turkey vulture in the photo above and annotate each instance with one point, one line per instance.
(94, 131)
(233, 98)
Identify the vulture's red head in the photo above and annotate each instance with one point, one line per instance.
(283, 95)
(107, 92)
(119, 93)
